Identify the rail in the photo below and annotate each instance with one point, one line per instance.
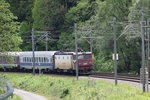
(7, 88)
(121, 76)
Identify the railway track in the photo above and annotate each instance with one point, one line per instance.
(120, 76)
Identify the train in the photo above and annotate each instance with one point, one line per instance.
(47, 61)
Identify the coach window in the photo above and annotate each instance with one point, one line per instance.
(44, 59)
(50, 60)
(47, 60)
(24, 59)
(29, 59)
(1, 59)
(15, 59)
(36, 59)
(39, 59)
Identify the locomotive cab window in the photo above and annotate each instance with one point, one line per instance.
(87, 56)
(80, 57)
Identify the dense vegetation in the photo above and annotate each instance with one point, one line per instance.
(18, 17)
(59, 88)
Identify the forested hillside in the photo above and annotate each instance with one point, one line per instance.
(19, 17)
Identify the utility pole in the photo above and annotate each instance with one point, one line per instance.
(46, 41)
(143, 49)
(147, 56)
(33, 47)
(76, 49)
(148, 32)
(115, 51)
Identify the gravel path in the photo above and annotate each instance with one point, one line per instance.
(134, 84)
(27, 95)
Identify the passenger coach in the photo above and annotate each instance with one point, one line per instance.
(43, 60)
(9, 59)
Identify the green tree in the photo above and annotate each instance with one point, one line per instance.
(66, 42)
(80, 13)
(9, 29)
(47, 14)
(21, 9)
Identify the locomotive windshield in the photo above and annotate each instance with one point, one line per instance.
(84, 56)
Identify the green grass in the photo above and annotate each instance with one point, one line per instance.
(56, 88)
(1, 92)
(15, 97)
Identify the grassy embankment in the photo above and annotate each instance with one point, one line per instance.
(15, 98)
(1, 92)
(56, 88)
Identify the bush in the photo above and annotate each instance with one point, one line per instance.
(103, 64)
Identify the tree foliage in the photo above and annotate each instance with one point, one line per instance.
(9, 29)
(47, 14)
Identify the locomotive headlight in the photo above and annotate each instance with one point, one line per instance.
(90, 62)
